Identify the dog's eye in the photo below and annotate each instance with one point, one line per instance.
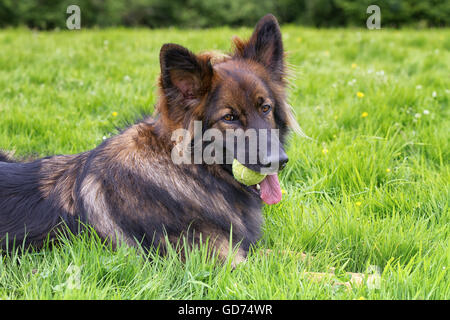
(266, 108)
(229, 117)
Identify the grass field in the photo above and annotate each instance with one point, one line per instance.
(368, 193)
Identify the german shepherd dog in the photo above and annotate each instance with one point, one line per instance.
(129, 190)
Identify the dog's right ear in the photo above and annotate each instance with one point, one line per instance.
(185, 78)
(264, 46)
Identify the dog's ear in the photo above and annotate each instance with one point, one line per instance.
(185, 78)
(264, 46)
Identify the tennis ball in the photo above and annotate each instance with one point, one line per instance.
(246, 176)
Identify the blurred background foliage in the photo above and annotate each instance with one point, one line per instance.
(50, 14)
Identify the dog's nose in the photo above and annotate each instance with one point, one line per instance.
(277, 161)
(282, 161)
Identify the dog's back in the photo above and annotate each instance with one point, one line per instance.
(5, 158)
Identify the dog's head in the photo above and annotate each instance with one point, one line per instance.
(243, 91)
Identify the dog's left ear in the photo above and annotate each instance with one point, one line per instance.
(264, 46)
(185, 78)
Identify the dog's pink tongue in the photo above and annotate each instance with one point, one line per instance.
(270, 189)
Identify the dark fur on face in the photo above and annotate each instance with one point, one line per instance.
(128, 189)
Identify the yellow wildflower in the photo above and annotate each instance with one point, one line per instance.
(358, 203)
(354, 65)
(364, 114)
(360, 94)
(388, 170)
(114, 114)
(325, 151)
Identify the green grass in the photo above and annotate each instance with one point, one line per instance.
(368, 192)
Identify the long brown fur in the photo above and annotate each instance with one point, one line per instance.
(128, 189)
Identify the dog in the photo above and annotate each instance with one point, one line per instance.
(128, 189)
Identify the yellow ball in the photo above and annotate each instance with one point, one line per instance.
(246, 176)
